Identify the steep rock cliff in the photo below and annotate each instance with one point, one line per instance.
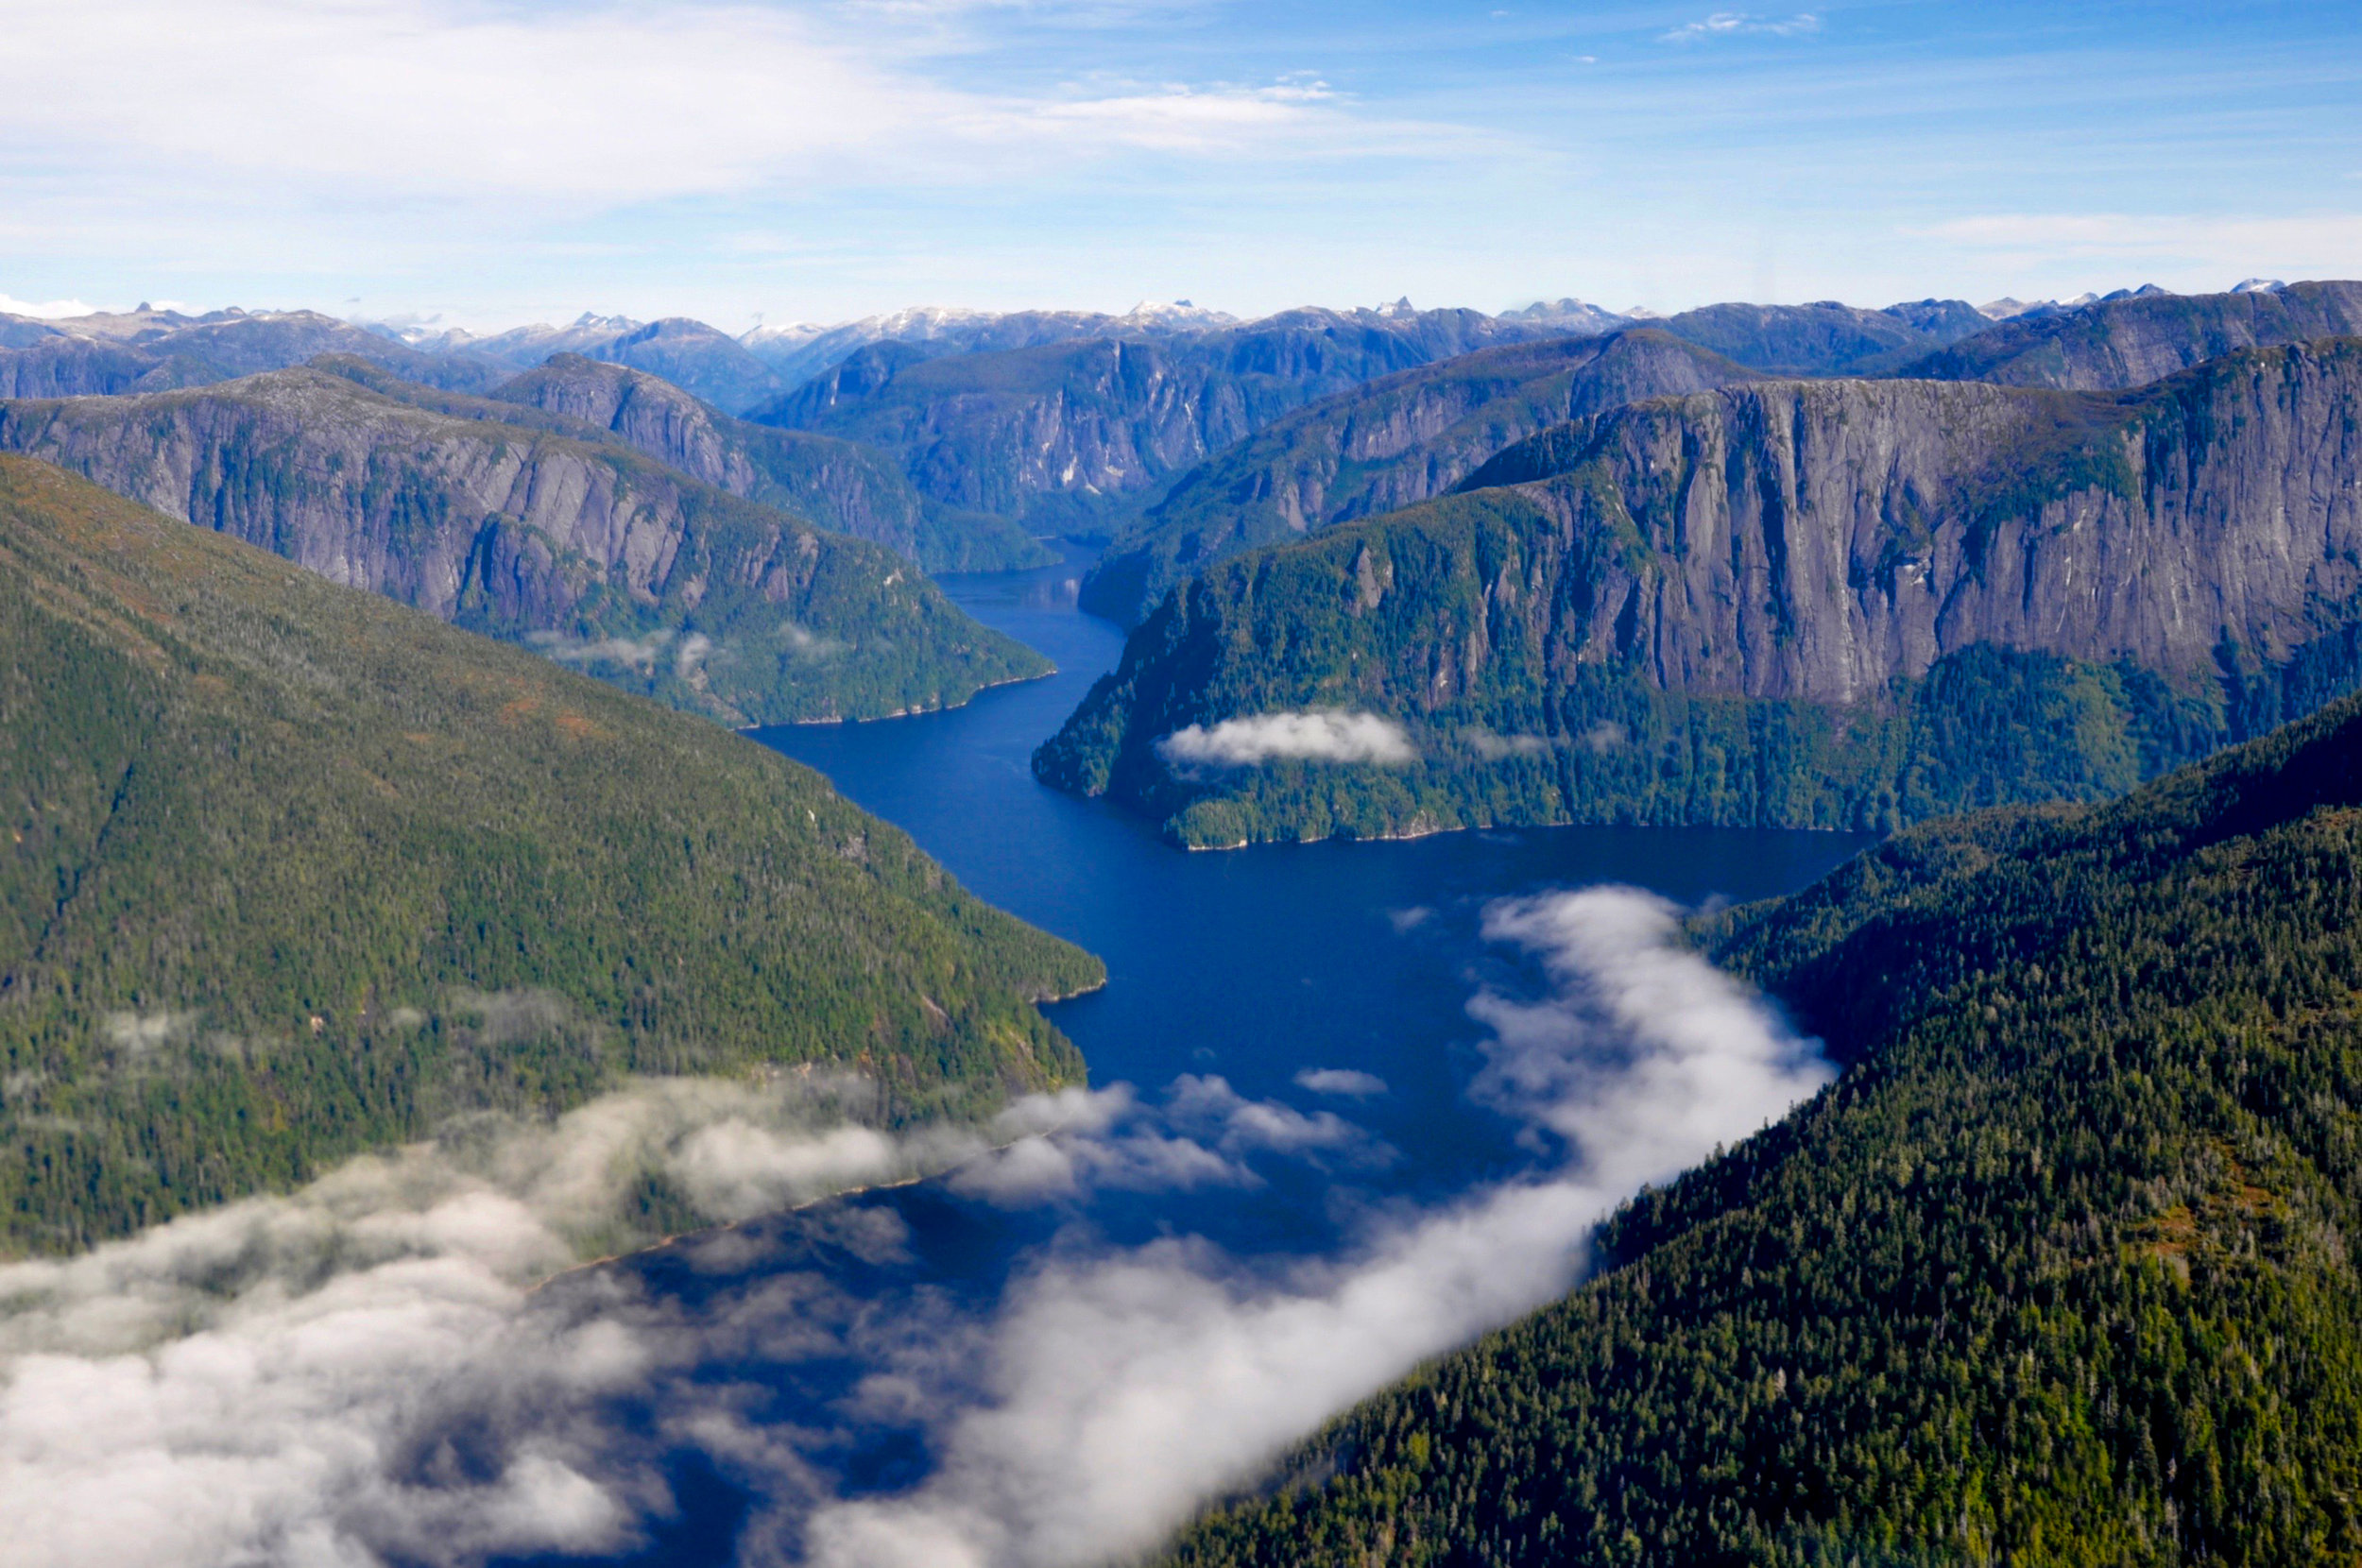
(1372, 448)
(1814, 604)
(593, 553)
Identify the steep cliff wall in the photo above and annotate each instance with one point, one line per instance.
(1374, 449)
(594, 554)
(1824, 603)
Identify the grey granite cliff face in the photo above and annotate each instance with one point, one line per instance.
(1374, 449)
(1810, 604)
(2130, 342)
(594, 554)
(1818, 539)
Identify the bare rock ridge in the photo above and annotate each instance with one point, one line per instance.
(840, 484)
(1399, 440)
(583, 548)
(1845, 602)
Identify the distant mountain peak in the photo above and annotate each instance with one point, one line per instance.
(2258, 285)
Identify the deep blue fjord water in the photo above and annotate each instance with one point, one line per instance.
(1252, 964)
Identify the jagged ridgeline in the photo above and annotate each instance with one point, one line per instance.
(559, 537)
(1839, 604)
(2061, 1271)
(289, 871)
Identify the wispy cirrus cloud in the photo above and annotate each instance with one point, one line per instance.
(1740, 23)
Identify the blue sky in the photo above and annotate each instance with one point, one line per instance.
(497, 163)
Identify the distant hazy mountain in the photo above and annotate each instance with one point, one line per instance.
(584, 550)
(1786, 602)
(1827, 338)
(798, 352)
(294, 871)
(151, 351)
(2134, 336)
(1372, 449)
(1568, 316)
(839, 484)
(1060, 435)
(702, 360)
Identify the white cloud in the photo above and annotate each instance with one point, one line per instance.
(1127, 1390)
(1737, 24)
(1317, 737)
(1347, 1082)
(284, 1379)
(1493, 747)
(601, 105)
(47, 310)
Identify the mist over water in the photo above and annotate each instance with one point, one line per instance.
(1351, 1105)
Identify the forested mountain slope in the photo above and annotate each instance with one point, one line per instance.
(2060, 1272)
(1812, 604)
(1057, 435)
(158, 351)
(2129, 342)
(1374, 449)
(839, 484)
(290, 870)
(583, 548)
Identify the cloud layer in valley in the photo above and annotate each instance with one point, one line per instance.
(370, 1369)
(1326, 736)
(1127, 1390)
